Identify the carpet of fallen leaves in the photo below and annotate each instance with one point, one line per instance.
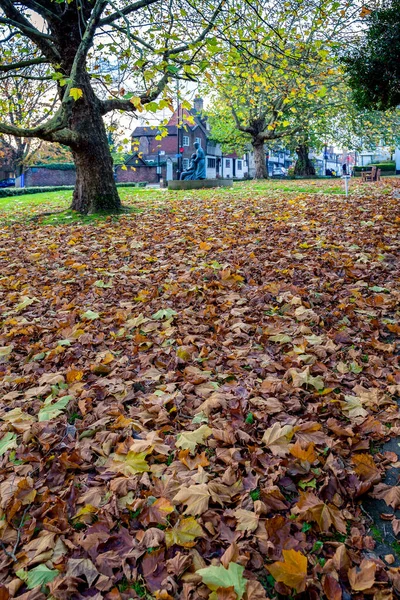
(194, 399)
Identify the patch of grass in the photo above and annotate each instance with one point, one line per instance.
(376, 534)
(396, 547)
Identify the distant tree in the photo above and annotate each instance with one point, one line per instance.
(23, 101)
(104, 56)
(373, 64)
(275, 70)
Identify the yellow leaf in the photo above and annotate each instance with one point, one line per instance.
(76, 93)
(302, 454)
(188, 440)
(131, 463)
(204, 246)
(184, 533)
(292, 571)
(137, 103)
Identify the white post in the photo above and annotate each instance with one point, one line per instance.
(346, 184)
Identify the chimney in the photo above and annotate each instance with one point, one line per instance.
(198, 104)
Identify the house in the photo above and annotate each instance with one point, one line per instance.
(175, 149)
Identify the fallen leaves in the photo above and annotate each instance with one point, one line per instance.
(219, 577)
(188, 440)
(277, 439)
(292, 571)
(363, 577)
(184, 533)
(180, 418)
(195, 497)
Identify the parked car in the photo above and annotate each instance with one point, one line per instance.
(278, 172)
(9, 182)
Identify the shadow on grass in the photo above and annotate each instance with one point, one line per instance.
(71, 217)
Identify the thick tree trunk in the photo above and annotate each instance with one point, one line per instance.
(259, 160)
(303, 165)
(95, 188)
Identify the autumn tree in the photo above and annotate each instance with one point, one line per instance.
(275, 69)
(28, 99)
(104, 56)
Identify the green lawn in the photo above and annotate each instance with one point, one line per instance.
(22, 208)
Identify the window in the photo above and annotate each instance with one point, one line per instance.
(211, 163)
(228, 163)
(239, 165)
(185, 163)
(185, 141)
(198, 140)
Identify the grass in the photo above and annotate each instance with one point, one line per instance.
(23, 208)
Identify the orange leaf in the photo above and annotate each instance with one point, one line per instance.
(366, 468)
(307, 454)
(74, 375)
(200, 460)
(204, 246)
(292, 571)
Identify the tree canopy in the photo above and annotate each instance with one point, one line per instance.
(279, 72)
(103, 56)
(373, 63)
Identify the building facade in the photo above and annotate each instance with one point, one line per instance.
(175, 149)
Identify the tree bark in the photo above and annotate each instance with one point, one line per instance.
(95, 188)
(259, 160)
(303, 166)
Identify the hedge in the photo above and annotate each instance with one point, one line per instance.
(54, 166)
(7, 192)
(387, 166)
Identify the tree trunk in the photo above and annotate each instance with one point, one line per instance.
(303, 166)
(259, 160)
(95, 188)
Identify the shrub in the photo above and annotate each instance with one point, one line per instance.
(384, 166)
(55, 166)
(7, 192)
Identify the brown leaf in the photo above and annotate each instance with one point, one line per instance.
(366, 468)
(363, 577)
(332, 588)
(196, 498)
(77, 567)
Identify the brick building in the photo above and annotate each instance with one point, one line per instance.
(184, 128)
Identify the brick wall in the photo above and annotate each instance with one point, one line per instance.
(40, 177)
(141, 173)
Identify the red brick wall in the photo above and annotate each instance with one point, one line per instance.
(40, 176)
(141, 173)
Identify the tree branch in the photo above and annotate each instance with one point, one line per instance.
(22, 64)
(54, 130)
(126, 11)
(16, 19)
(201, 37)
(127, 106)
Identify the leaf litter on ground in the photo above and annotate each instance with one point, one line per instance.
(194, 398)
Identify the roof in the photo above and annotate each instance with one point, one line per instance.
(152, 132)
